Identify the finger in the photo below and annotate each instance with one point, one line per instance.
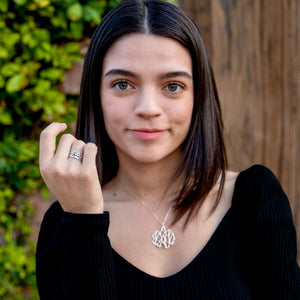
(76, 152)
(64, 147)
(89, 155)
(48, 141)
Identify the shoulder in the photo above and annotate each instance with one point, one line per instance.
(257, 189)
(258, 172)
(259, 178)
(267, 235)
(262, 208)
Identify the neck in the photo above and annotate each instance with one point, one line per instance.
(152, 183)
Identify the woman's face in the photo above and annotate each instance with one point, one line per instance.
(147, 96)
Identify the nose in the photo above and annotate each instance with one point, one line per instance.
(148, 104)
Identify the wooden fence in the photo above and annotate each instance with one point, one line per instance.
(254, 47)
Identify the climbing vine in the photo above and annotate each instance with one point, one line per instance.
(39, 41)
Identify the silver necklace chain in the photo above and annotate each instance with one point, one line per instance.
(165, 237)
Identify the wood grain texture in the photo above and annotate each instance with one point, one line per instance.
(254, 47)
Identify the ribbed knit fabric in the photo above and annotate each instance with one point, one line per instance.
(251, 255)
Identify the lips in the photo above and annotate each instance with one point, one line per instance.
(147, 134)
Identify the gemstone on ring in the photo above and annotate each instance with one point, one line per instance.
(76, 155)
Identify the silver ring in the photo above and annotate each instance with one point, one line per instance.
(76, 155)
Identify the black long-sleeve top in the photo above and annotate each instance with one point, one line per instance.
(251, 255)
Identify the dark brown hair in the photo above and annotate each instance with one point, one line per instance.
(204, 158)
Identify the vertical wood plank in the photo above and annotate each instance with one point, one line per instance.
(254, 48)
(200, 12)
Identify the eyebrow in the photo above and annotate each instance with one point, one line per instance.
(120, 72)
(175, 74)
(162, 76)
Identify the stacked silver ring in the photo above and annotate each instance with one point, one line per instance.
(76, 155)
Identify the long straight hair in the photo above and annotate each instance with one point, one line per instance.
(203, 159)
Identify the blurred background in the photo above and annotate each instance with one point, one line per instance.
(254, 48)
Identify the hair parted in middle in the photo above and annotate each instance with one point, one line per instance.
(203, 159)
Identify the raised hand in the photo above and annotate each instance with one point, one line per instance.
(70, 170)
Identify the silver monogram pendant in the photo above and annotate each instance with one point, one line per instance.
(163, 237)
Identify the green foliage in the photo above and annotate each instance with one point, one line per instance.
(39, 41)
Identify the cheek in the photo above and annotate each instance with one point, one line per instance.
(182, 114)
(114, 114)
(107, 110)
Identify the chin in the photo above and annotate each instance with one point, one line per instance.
(148, 160)
(150, 155)
(152, 158)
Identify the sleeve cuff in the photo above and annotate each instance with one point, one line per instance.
(83, 222)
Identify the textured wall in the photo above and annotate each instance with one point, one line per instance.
(254, 48)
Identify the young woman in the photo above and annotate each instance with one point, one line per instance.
(146, 207)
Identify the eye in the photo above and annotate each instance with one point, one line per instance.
(121, 85)
(174, 87)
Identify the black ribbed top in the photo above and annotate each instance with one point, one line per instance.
(251, 255)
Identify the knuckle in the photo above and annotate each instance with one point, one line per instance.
(84, 174)
(66, 136)
(48, 130)
(79, 143)
(57, 172)
(45, 133)
(74, 172)
(90, 147)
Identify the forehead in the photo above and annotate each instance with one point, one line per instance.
(146, 51)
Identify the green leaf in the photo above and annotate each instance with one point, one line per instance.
(15, 83)
(10, 69)
(3, 52)
(38, 42)
(75, 12)
(53, 74)
(20, 2)
(13, 39)
(72, 48)
(59, 21)
(42, 3)
(90, 14)
(28, 39)
(4, 5)
(42, 35)
(2, 82)
(5, 118)
(76, 30)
